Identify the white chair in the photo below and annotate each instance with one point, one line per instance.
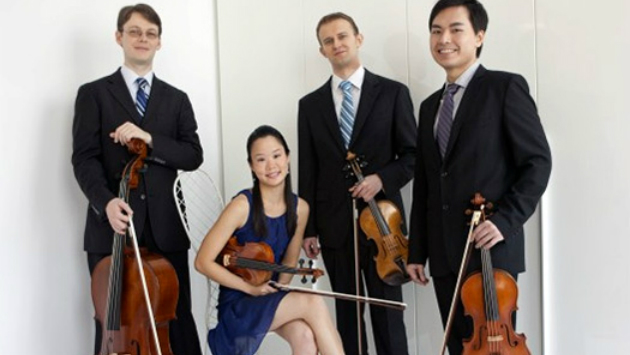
(199, 204)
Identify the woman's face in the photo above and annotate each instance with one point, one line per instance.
(269, 161)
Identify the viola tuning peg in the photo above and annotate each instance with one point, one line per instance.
(313, 279)
(310, 264)
(301, 262)
(303, 279)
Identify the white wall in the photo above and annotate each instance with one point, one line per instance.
(583, 91)
(50, 48)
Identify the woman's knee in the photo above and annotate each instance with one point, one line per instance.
(313, 303)
(302, 339)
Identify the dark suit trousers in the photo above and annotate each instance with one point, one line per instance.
(462, 327)
(182, 331)
(389, 332)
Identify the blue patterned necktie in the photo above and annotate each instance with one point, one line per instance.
(141, 96)
(347, 112)
(445, 118)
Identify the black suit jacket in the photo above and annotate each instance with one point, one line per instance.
(497, 147)
(384, 134)
(101, 107)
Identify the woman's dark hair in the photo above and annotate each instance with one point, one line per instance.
(476, 14)
(260, 226)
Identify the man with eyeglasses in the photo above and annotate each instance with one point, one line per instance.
(109, 112)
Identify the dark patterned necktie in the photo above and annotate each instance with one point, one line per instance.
(347, 112)
(445, 118)
(141, 96)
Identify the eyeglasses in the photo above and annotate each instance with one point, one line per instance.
(137, 33)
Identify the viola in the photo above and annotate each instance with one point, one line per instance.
(381, 221)
(131, 322)
(489, 297)
(255, 263)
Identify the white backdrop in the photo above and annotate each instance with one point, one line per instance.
(583, 89)
(572, 54)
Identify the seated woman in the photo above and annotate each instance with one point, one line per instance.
(269, 212)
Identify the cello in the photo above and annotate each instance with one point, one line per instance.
(134, 292)
(489, 298)
(381, 222)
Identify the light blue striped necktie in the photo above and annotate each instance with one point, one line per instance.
(347, 112)
(445, 118)
(141, 96)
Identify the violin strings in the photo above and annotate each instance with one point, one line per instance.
(261, 265)
(491, 300)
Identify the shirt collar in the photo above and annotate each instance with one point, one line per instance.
(464, 79)
(356, 79)
(130, 76)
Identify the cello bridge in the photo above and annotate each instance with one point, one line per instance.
(495, 338)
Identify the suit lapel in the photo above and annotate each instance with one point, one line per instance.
(119, 90)
(434, 105)
(465, 107)
(155, 97)
(329, 114)
(369, 92)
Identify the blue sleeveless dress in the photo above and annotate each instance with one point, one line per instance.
(243, 319)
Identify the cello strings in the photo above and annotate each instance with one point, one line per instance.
(112, 318)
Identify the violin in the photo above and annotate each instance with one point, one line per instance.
(381, 221)
(489, 297)
(254, 262)
(131, 322)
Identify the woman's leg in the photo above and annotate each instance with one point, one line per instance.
(313, 311)
(300, 336)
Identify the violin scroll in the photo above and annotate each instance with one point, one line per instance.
(315, 273)
(480, 205)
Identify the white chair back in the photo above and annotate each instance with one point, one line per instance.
(199, 204)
